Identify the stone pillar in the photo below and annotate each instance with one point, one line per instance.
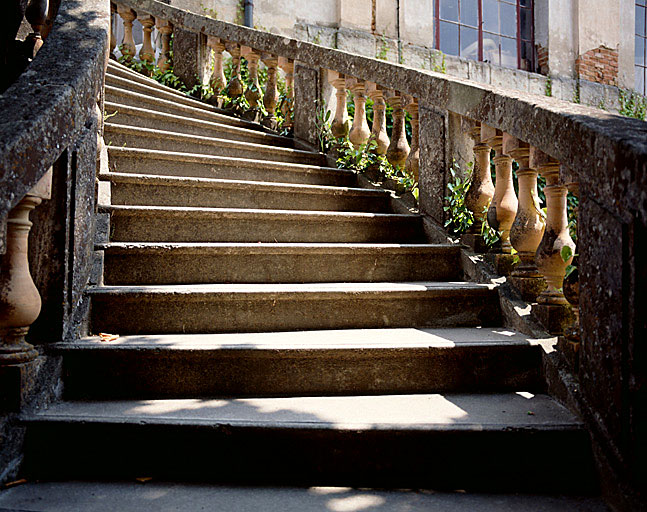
(20, 301)
(36, 14)
(253, 92)
(165, 29)
(339, 125)
(398, 150)
(128, 44)
(359, 132)
(412, 163)
(528, 226)
(270, 99)
(503, 207)
(552, 308)
(481, 190)
(433, 167)
(287, 105)
(235, 86)
(378, 130)
(146, 52)
(191, 57)
(307, 90)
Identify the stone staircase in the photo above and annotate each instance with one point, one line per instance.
(278, 324)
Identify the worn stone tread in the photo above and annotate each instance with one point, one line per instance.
(149, 138)
(148, 118)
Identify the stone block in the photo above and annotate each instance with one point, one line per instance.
(190, 62)
(480, 72)
(102, 228)
(416, 56)
(593, 94)
(612, 99)
(386, 49)
(307, 90)
(563, 88)
(456, 66)
(528, 287)
(437, 60)
(555, 318)
(433, 162)
(324, 36)
(356, 41)
(507, 78)
(537, 84)
(475, 242)
(502, 263)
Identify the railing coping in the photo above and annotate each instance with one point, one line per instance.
(52, 100)
(612, 149)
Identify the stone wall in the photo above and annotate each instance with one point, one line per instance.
(599, 65)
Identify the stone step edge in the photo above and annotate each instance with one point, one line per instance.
(220, 183)
(234, 213)
(176, 156)
(155, 114)
(204, 140)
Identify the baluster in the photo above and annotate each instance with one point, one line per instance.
(572, 294)
(271, 97)
(146, 52)
(398, 149)
(19, 299)
(165, 29)
(481, 191)
(503, 207)
(36, 14)
(235, 86)
(378, 130)
(287, 106)
(413, 160)
(339, 126)
(528, 226)
(359, 132)
(551, 308)
(128, 44)
(113, 37)
(218, 79)
(253, 92)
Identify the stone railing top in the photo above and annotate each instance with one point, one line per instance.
(604, 149)
(51, 101)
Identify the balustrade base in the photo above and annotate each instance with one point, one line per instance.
(16, 383)
(475, 242)
(554, 317)
(502, 263)
(253, 114)
(373, 173)
(570, 349)
(270, 123)
(14, 349)
(528, 287)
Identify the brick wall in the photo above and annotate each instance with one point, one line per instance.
(598, 65)
(542, 60)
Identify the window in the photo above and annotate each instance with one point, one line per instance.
(641, 44)
(496, 31)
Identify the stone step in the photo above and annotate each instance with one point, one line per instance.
(214, 308)
(150, 190)
(153, 119)
(172, 106)
(130, 81)
(494, 442)
(356, 362)
(148, 138)
(184, 263)
(170, 163)
(185, 224)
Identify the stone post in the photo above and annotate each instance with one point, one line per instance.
(378, 130)
(552, 308)
(165, 29)
(481, 190)
(287, 105)
(359, 132)
(432, 180)
(398, 149)
(413, 160)
(503, 207)
(20, 301)
(146, 52)
(270, 99)
(191, 57)
(128, 44)
(528, 226)
(307, 92)
(339, 125)
(253, 92)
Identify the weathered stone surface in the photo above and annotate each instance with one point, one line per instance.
(433, 166)
(307, 99)
(190, 52)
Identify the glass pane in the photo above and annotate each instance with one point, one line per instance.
(470, 12)
(640, 51)
(508, 52)
(640, 80)
(491, 16)
(448, 38)
(526, 24)
(469, 43)
(525, 3)
(508, 20)
(526, 56)
(491, 48)
(640, 21)
(449, 10)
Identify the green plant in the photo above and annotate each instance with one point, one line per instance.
(549, 86)
(317, 38)
(438, 68)
(208, 12)
(240, 12)
(324, 133)
(632, 104)
(567, 253)
(490, 235)
(460, 218)
(576, 93)
(382, 52)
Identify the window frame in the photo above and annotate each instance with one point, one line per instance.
(643, 66)
(518, 37)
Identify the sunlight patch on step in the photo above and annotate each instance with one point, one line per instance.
(355, 503)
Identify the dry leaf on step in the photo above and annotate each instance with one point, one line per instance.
(104, 336)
